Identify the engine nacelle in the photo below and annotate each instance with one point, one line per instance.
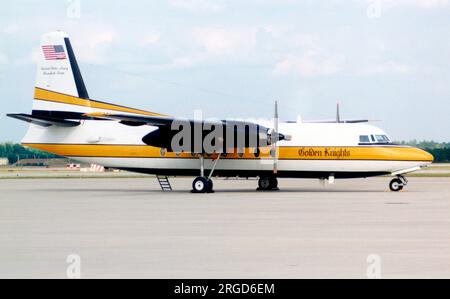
(209, 138)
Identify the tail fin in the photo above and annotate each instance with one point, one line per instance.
(58, 79)
(58, 69)
(60, 94)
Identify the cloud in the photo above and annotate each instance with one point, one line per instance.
(422, 3)
(183, 62)
(3, 59)
(31, 58)
(388, 68)
(11, 28)
(90, 39)
(93, 46)
(150, 39)
(311, 64)
(225, 41)
(196, 6)
(427, 4)
(89, 48)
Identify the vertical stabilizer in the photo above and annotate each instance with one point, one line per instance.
(58, 69)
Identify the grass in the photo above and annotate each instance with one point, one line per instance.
(429, 175)
(72, 177)
(55, 174)
(440, 168)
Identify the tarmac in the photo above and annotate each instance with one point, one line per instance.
(128, 228)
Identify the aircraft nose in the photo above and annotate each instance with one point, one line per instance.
(425, 156)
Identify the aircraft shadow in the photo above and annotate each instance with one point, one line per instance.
(217, 191)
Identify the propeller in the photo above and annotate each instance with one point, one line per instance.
(276, 138)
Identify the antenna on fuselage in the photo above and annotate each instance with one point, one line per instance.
(338, 113)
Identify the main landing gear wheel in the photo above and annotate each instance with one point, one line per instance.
(268, 184)
(202, 185)
(397, 185)
(210, 187)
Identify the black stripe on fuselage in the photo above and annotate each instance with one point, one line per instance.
(257, 173)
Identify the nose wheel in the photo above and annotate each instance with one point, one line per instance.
(397, 184)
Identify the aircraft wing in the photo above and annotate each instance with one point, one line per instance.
(163, 121)
(348, 121)
(162, 137)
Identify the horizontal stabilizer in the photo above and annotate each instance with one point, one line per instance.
(44, 121)
(134, 120)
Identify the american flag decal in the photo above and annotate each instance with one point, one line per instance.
(54, 52)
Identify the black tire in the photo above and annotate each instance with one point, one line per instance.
(209, 186)
(273, 183)
(396, 185)
(200, 185)
(264, 183)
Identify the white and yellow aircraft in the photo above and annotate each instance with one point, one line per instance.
(66, 122)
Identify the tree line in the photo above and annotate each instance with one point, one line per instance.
(440, 151)
(12, 151)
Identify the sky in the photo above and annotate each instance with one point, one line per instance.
(385, 60)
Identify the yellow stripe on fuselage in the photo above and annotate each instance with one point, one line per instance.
(384, 153)
(50, 96)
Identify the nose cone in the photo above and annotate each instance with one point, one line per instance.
(424, 156)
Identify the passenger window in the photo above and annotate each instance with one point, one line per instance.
(364, 139)
(373, 138)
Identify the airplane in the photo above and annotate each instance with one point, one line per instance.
(67, 122)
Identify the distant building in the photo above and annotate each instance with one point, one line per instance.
(4, 161)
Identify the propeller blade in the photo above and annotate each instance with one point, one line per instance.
(276, 136)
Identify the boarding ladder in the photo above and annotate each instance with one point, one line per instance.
(164, 183)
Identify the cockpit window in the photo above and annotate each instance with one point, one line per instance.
(382, 138)
(364, 139)
(374, 139)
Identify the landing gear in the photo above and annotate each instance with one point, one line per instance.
(203, 184)
(268, 184)
(397, 184)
